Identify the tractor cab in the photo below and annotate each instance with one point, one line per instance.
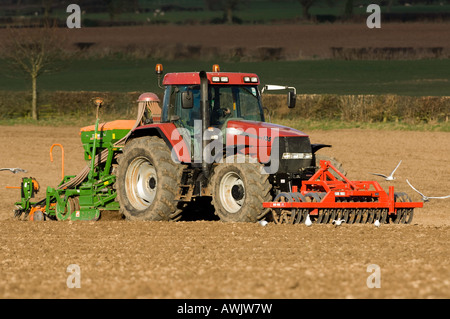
(226, 106)
(230, 96)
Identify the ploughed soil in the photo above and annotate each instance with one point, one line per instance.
(292, 41)
(211, 259)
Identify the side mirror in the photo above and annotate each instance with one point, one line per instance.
(187, 99)
(271, 87)
(292, 94)
(292, 97)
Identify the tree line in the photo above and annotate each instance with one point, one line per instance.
(229, 7)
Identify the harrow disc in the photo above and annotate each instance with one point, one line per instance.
(315, 197)
(358, 216)
(383, 216)
(280, 215)
(326, 216)
(301, 216)
(352, 216)
(298, 213)
(408, 216)
(364, 216)
(371, 216)
(404, 216)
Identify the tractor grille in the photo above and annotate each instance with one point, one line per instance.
(294, 153)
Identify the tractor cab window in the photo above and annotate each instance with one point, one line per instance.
(234, 102)
(175, 111)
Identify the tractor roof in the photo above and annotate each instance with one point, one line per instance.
(225, 78)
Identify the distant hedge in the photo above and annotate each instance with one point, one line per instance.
(362, 108)
(353, 108)
(77, 105)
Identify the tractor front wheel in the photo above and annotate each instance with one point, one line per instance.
(239, 190)
(147, 180)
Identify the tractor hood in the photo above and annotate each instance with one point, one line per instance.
(261, 130)
(259, 138)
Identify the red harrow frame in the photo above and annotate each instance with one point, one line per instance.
(329, 195)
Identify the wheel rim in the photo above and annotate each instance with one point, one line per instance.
(232, 192)
(141, 183)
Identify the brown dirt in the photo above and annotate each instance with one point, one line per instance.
(208, 259)
(297, 41)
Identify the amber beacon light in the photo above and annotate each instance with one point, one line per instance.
(159, 68)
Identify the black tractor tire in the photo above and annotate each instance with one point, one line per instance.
(147, 180)
(239, 190)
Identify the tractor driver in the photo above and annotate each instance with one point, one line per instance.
(219, 114)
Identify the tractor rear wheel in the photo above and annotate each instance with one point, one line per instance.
(239, 190)
(147, 180)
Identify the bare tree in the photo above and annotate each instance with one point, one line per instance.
(389, 6)
(47, 5)
(348, 10)
(306, 5)
(114, 8)
(33, 52)
(229, 7)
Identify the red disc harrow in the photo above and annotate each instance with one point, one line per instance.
(329, 195)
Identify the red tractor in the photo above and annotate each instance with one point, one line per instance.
(212, 140)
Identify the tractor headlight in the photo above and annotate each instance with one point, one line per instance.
(287, 156)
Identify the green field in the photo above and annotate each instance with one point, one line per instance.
(247, 12)
(412, 78)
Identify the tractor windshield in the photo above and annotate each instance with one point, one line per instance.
(237, 102)
(226, 102)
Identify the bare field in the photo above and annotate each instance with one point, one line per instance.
(208, 259)
(296, 41)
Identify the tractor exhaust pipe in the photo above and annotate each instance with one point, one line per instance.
(204, 106)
